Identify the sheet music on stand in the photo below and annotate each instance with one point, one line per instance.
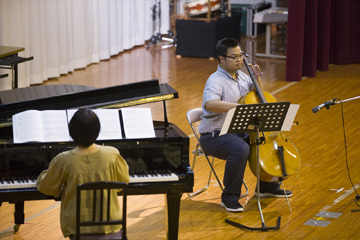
(278, 116)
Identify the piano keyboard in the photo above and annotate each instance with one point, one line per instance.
(155, 176)
(17, 182)
(30, 182)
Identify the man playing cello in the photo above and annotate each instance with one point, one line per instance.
(222, 92)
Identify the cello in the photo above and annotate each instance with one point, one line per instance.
(278, 158)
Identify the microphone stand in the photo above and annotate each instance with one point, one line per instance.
(159, 36)
(349, 99)
(156, 38)
(332, 102)
(153, 39)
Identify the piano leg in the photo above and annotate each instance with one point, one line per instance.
(19, 215)
(173, 214)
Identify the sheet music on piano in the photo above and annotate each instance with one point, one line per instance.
(110, 128)
(40, 126)
(138, 122)
(52, 125)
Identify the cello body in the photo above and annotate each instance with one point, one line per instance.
(273, 164)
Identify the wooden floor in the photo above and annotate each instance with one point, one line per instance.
(321, 186)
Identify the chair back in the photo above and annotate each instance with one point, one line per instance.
(99, 188)
(194, 115)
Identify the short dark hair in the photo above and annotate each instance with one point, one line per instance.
(223, 45)
(84, 127)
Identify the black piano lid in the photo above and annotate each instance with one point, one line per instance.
(75, 96)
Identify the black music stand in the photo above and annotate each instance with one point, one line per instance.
(264, 117)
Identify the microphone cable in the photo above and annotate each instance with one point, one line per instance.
(357, 197)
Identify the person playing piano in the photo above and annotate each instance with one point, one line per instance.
(222, 92)
(87, 162)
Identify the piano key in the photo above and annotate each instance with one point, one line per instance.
(153, 177)
(13, 182)
(30, 182)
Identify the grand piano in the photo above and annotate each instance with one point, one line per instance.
(165, 168)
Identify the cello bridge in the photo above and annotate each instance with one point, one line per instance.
(273, 135)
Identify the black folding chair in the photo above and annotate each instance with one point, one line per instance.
(99, 188)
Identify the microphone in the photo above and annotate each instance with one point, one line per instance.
(325, 104)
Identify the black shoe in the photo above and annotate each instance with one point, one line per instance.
(278, 192)
(232, 206)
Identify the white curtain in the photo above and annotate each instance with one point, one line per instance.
(63, 35)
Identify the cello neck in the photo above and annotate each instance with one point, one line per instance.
(255, 82)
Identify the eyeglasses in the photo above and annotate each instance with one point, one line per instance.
(239, 57)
